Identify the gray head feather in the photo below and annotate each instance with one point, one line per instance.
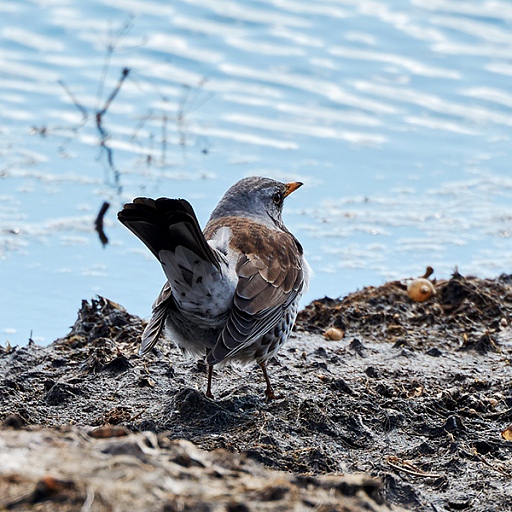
(257, 198)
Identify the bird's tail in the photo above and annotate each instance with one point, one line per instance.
(166, 224)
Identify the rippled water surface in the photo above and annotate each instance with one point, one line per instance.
(396, 115)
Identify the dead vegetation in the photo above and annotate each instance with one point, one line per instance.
(417, 394)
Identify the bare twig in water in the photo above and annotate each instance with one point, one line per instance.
(78, 105)
(111, 47)
(148, 152)
(124, 73)
(164, 137)
(115, 38)
(103, 133)
(98, 223)
(43, 131)
(190, 100)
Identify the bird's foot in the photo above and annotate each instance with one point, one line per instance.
(271, 395)
(209, 393)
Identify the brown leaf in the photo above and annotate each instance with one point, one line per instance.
(507, 433)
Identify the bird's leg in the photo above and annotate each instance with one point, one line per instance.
(269, 392)
(209, 393)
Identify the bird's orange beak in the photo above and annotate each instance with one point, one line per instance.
(290, 187)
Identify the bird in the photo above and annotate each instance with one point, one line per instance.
(232, 291)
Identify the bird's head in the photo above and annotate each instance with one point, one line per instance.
(258, 198)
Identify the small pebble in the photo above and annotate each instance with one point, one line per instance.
(334, 334)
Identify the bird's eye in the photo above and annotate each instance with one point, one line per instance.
(277, 198)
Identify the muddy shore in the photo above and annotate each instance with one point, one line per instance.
(416, 396)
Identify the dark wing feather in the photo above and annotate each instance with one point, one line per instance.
(156, 324)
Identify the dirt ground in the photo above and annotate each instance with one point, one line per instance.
(416, 394)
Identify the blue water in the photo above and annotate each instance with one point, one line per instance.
(397, 116)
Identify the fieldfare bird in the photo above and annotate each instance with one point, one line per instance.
(232, 291)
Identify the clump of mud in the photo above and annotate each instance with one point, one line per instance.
(416, 394)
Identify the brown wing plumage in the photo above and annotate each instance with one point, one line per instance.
(270, 277)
